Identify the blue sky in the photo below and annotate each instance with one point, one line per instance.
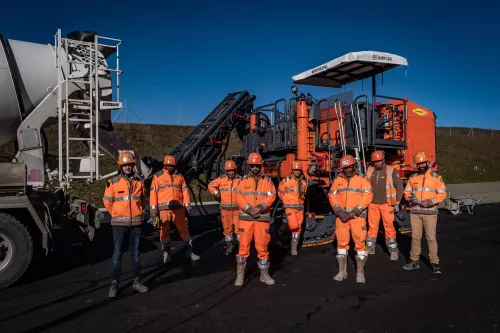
(196, 52)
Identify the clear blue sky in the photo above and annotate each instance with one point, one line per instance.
(196, 52)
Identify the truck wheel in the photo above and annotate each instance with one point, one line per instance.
(16, 250)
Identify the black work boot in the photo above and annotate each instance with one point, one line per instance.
(114, 289)
(436, 269)
(413, 264)
(138, 286)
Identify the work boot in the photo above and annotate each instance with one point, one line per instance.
(240, 274)
(371, 250)
(360, 274)
(295, 243)
(229, 249)
(166, 257)
(413, 264)
(265, 277)
(436, 269)
(138, 286)
(342, 274)
(394, 254)
(190, 254)
(114, 289)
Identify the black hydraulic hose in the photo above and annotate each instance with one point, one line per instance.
(196, 203)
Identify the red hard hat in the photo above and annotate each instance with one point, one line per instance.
(126, 157)
(347, 161)
(254, 158)
(169, 160)
(378, 155)
(420, 157)
(229, 165)
(296, 165)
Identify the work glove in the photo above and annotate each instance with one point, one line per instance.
(188, 210)
(414, 201)
(343, 216)
(254, 211)
(351, 215)
(156, 222)
(217, 197)
(427, 203)
(396, 208)
(153, 213)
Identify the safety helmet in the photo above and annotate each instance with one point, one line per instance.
(347, 161)
(296, 165)
(229, 165)
(126, 157)
(169, 160)
(420, 157)
(378, 155)
(254, 158)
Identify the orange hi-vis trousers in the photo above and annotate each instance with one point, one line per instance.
(230, 219)
(295, 218)
(375, 211)
(355, 227)
(259, 232)
(177, 216)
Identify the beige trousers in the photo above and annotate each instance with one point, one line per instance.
(427, 223)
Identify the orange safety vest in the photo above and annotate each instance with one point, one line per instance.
(288, 192)
(168, 191)
(125, 200)
(255, 192)
(350, 194)
(390, 189)
(227, 189)
(429, 186)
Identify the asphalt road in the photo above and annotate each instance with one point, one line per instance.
(69, 293)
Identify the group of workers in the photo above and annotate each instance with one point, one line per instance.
(245, 204)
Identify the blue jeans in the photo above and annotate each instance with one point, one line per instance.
(119, 234)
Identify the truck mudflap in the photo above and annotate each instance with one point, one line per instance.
(87, 216)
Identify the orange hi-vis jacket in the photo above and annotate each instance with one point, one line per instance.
(168, 191)
(389, 183)
(125, 200)
(429, 186)
(255, 192)
(288, 192)
(354, 194)
(227, 189)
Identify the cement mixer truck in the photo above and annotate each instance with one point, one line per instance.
(68, 85)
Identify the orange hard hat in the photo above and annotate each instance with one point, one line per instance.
(378, 155)
(296, 165)
(254, 158)
(126, 157)
(347, 161)
(169, 160)
(229, 165)
(420, 157)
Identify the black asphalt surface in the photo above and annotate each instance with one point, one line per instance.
(69, 292)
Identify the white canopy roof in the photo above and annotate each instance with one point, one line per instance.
(349, 68)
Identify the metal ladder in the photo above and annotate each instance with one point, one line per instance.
(81, 68)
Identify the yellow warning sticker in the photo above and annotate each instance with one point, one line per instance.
(420, 112)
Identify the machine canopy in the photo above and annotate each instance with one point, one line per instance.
(349, 68)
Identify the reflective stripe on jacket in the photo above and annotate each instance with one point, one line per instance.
(168, 191)
(255, 192)
(288, 192)
(125, 200)
(390, 189)
(429, 186)
(227, 189)
(353, 194)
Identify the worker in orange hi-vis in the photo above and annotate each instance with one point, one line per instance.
(350, 196)
(125, 199)
(387, 187)
(292, 192)
(424, 191)
(169, 197)
(224, 190)
(255, 194)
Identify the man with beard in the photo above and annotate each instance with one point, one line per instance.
(425, 190)
(170, 197)
(387, 188)
(255, 194)
(292, 192)
(350, 196)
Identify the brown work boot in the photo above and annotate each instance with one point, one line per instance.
(295, 243)
(342, 274)
(240, 274)
(360, 274)
(394, 254)
(265, 277)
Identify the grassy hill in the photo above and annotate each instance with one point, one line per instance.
(462, 158)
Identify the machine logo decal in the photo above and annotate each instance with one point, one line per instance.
(420, 112)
